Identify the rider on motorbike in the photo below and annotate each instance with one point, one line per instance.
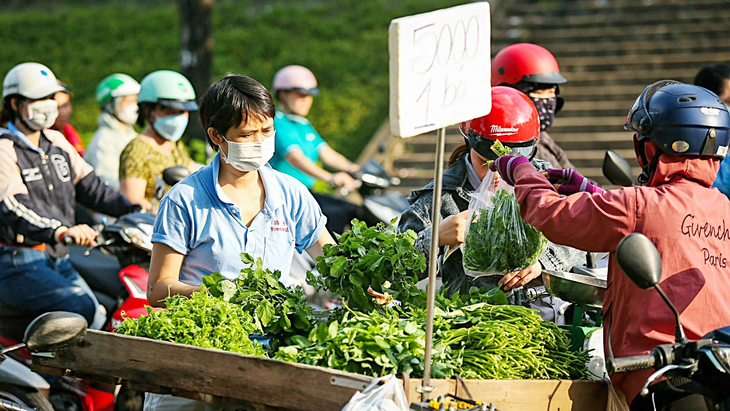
(299, 146)
(681, 136)
(116, 96)
(533, 70)
(514, 122)
(41, 179)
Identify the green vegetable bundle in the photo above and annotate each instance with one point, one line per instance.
(376, 344)
(277, 311)
(498, 240)
(201, 320)
(472, 338)
(509, 342)
(377, 258)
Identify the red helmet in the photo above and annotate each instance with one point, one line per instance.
(513, 121)
(525, 62)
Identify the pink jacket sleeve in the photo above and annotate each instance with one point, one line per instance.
(588, 222)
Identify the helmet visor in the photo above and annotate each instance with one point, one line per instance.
(306, 91)
(186, 105)
(483, 146)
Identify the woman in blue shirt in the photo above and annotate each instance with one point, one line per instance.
(236, 204)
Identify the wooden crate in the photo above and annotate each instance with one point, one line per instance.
(264, 384)
(522, 395)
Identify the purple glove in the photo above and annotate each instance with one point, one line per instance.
(506, 165)
(570, 182)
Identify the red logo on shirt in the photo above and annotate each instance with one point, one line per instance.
(280, 226)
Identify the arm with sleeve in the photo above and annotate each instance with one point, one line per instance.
(418, 219)
(612, 213)
(172, 226)
(91, 191)
(17, 208)
(310, 222)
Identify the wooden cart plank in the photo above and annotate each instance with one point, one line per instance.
(525, 395)
(210, 372)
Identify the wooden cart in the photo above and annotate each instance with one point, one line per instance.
(264, 384)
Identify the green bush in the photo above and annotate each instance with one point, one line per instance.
(345, 43)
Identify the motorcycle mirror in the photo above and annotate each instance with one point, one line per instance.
(617, 170)
(640, 260)
(54, 330)
(174, 175)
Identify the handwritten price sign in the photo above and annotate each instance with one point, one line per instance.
(439, 69)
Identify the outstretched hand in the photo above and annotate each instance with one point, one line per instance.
(506, 165)
(568, 181)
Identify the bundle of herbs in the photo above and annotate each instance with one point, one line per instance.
(498, 240)
(382, 342)
(202, 320)
(473, 337)
(370, 261)
(278, 311)
(508, 342)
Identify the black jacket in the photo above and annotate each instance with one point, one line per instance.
(39, 187)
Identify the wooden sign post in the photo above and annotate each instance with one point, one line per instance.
(439, 76)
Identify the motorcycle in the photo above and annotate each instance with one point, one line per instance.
(56, 329)
(696, 373)
(379, 203)
(118, 282)
(116, 270)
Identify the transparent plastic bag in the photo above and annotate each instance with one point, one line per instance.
(388, 396)
(497, 240)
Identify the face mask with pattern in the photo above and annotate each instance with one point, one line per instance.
(546, 111)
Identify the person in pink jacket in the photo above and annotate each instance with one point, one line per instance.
(681, 136)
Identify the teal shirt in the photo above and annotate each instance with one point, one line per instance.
(295, 133)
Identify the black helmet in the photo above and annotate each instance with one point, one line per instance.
(681, 119)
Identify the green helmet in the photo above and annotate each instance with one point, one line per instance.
(115, 85)
(168, 88)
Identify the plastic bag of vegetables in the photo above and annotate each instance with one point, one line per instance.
(383, 394)
(497, 240)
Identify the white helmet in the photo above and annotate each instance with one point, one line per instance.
(30, 80)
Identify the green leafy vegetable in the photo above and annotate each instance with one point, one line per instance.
(499, 241)
(201, 320)
(377, 258)
(376, 344)
(472, 338)
(277, 311)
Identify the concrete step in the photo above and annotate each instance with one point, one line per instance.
(641, 61)
(580, 35)
(633, 75)
(630, 47)
(577, 7)
(618, 18)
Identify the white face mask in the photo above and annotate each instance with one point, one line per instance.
(249, 156)
(127, 114)
(41, 114)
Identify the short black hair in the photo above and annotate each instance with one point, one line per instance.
(713, 78)
(232, 101)
(7, 114)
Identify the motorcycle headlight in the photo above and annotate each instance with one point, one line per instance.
(140, 236)
(722, 355)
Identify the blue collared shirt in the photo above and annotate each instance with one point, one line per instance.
(197, 219)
